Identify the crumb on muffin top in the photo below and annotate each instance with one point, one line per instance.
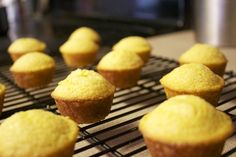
(203, 53)
(186, 119)
(83, 85)
(192, 77)
(25, 45)
(33, 62)
(120, 60)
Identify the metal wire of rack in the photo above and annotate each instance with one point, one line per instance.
(118, 134)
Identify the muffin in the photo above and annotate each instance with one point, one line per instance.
(79, 53)
(122, 69)
(33, 70)
(207, 55)
(22, 46)
(85, 33)
(2, 94)
(195, 79)
(37, 133)
(185, 126)
(136, 44)
(85, 96)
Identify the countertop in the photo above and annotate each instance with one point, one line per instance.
(172, 45)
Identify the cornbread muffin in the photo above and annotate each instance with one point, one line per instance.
(85, 96)
(85, 33)
(122, 69)
(193, 78)
(37, 133)
(2, 94)
(207, 55)
(22, 46)
(185, 126)
(33, 70)
(136, 44)
(79, 53)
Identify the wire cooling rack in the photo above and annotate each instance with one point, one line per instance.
(118, 134)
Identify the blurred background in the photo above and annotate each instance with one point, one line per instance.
(53, 20)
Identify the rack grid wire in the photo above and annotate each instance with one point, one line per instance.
(118, 134)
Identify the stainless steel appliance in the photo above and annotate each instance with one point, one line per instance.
(215, 22)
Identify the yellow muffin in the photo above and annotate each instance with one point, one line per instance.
(207, 55)
(33, 70)
(22, 46)
(79, 53)
(136, 44)
(193, 78)
(85, 33)
(85, 96)
(185, 126)
(121, 68)
(2, 94)
(37, 133)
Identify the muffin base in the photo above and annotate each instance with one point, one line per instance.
(1, 101)
(218, 69)
(68, 151)
(211, 96)
(79, 59)
(33, 79)
(15, 56)
(85, 111)
(160, 149)
(122, 78)
(145, 56)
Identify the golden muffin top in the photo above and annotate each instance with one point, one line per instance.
(186, 119)
(2, 88)
(203, 53)
(85, 33)
(120, 60)
(83, 85)
(25, 45)
(79, 46)
(134, 44)
(33, 62)
(35, 133)
(192, 77)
